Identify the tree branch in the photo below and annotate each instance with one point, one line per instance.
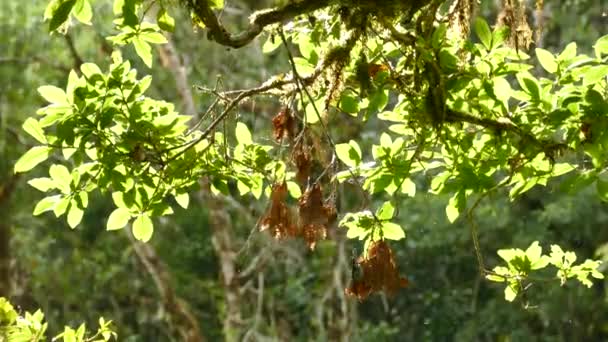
(259, 20)
(179, 313)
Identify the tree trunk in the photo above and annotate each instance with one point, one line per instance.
(6, 192)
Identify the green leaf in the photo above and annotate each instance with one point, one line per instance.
(546, 60)
(143, 228)
(153, 37)
(349, 104)
(183, 200)
(312, 115)
(61, 14)
(595, 74)
(143, 50)
(33, 128)
(271, 44)
(408, 187)
(601, 46)
(501, 275)
(61, 206)
(43, 184)
(165, 21)
(74, 215)
(219, 4)
(90, 69)
(386, 211)
(243, 135)
(128, 9)
(61, 176)
(46, 204)
(483, 32)
(511, 292)
(602, 189)
(455, 206)
(568, 53)
(118, 219)
(53, 94)
(349, 153)
(356, 232)
(31, 158)
(392, 231)
(294, 189)
(83, 12)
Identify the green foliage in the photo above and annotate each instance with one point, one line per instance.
(458, 120)
(30, 327)
(520, 265)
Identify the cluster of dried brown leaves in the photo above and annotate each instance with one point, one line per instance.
(379, 273)
(314, 215)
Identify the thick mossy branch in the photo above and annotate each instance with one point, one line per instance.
(259, 20)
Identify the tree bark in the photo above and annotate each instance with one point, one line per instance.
(6, 192)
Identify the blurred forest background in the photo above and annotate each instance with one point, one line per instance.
(280, 291)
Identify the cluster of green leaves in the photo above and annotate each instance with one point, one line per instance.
(513, 130)
(373, 227)
(31, 328)
(520, 265)
(116, 138)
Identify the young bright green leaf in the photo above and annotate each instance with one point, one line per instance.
(43, 184)
(408, 187)
(46, 204)
(455, 206)
(349, 153)
(568, 53)
(165, 21)
(219, 4)
(271, 44)
(83, 12)
(511, 292)
(143, 228)
(118, 219)
(153, 37)
(243, 135)
(392, 231)
(546, 60)
(33, 128)
(385, 140)
(356, 232)
(294, 190)
(500, 276)
(61, 176)
(31, 158)
(601, 47)
(183, 200)
(509, 254)
(143, 50)
(386, 211)
(595, 74)
(483, 32)
(74, 215)
(61, 206)
(312, 116)
(90, 69)
(53, 94)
